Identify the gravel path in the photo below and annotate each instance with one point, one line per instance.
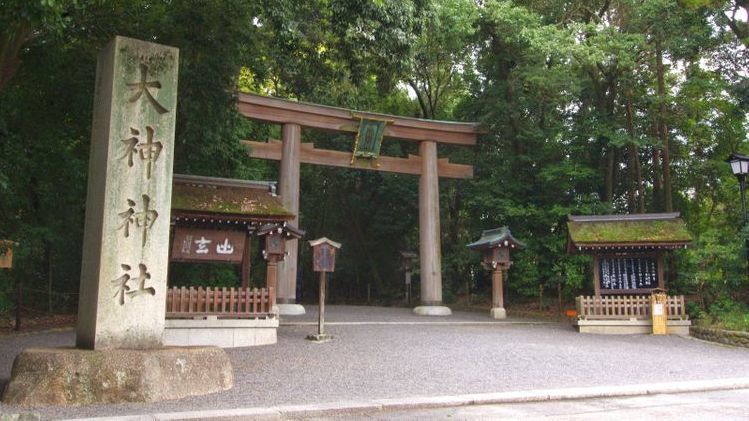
(396, 361)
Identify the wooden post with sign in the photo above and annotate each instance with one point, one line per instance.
(323, 261)
(6, 254)
(659, 311)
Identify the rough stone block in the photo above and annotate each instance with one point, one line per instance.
(291, 309)
(432, 311)
(67, 376)
(498, 313)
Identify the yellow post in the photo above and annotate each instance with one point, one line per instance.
(659, 311)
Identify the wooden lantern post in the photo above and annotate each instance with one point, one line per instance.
(495, 245)
(323, 261)
(407, 264)
(276, 236)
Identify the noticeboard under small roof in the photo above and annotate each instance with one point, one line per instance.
(226, 199)
(650, 230)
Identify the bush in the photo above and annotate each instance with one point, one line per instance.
(695, 312)
(6, 304)
(728, 314)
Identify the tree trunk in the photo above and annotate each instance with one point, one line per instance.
(636, 192)
(656, 169)
(11, 41)
(662, 129)
(608, 194)
(640, 185)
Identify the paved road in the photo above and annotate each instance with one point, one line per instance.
(703, 406)
(366, 362)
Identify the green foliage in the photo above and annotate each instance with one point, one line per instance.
(727, 314)
(204, 275)
(567, 94)
(714, 268)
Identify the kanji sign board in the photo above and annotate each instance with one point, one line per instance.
(208, 245)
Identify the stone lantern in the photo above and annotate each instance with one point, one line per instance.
(276, 236)
(495, 244)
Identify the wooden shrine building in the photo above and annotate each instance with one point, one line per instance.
(368, 132)
(213, 220)
(628, 264)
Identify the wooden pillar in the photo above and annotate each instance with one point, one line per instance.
(245, 281)
(498, 296)
(596, 275)
(661, 272)
(429, 226)
(288, 189)
(271, 276)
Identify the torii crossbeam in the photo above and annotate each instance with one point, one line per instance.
(291, 152)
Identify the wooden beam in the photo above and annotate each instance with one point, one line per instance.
(281, 111)
(310, 155)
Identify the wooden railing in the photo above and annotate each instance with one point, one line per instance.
(222, 302)
(627, 307)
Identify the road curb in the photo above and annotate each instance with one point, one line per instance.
(456, 323)
(446, 401)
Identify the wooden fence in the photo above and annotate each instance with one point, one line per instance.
(222, 302)
(627, 307)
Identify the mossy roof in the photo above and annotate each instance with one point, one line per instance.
(494, 237)
(614, 230)
(208, 195)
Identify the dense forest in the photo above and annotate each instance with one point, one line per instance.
(589, 107)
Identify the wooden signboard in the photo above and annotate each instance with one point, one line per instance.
(6, 254)
(626, 274)
(323, 258)
(208, 245)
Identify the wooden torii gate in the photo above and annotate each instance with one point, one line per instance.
(292, 152)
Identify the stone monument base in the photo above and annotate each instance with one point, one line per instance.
(432, 311)
(291, 309)
(70, 376)
(498, 313)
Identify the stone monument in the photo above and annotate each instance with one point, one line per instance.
(122, 302)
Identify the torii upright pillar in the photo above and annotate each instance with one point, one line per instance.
(429, 234)
(288, 189)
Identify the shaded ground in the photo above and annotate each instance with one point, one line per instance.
(395, 361)
(33, 322)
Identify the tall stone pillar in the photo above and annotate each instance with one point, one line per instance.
(429, 234)
(288, 189)
(126, 238)
(122, 302)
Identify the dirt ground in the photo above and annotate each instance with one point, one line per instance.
(35, 322)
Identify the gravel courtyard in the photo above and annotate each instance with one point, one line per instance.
(389, 353)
